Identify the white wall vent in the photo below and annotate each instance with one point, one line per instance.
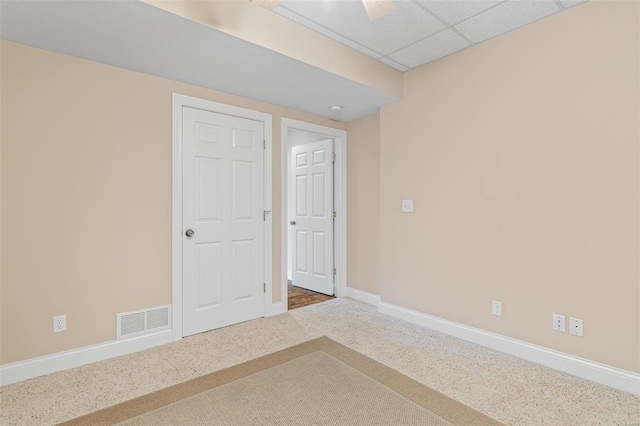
(145, 321)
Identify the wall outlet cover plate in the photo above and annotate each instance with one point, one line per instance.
(407, 206)
(59, 323)
(576, 327)
(496, 308)
(559, 323)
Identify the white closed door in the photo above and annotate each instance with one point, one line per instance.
(312, 218)
(223, 225)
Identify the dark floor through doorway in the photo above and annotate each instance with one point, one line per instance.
(299, 297)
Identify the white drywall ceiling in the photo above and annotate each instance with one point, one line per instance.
(143, 38)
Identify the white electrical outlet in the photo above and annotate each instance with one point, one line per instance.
(576, 327)
(407, 206)
(496, 308)
(558, 323)
(59, 323)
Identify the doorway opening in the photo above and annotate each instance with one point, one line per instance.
(314, 213)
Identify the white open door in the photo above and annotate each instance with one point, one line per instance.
(223, 227)
(312, 221)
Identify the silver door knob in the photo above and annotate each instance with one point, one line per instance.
(189, 233)
(293, 222)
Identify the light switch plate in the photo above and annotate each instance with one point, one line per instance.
(407, 206)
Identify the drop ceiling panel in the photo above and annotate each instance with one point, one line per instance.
(505, 17)
(455, 11)
(325, 31)
(434, 47)
(393, 64)
(418, 31)
(571, 3)
(407, 24)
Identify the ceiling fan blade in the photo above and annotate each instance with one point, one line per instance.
(267, 4)
(376, 9)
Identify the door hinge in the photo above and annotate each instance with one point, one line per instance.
(264, 287)
(333, 157)
(333, 214)
(264, 215)
(264, 144)
(334, 271)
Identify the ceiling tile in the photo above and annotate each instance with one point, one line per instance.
(394, 64)
(430, 49)
(454, 11)
(406, 24)
(324, 31)
(505, 17)
(571, 3)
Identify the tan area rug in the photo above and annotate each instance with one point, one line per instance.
(319, 382)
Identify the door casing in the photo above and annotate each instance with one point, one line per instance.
(340, 202)
(178, 102)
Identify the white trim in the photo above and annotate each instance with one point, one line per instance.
(178, 102)
(340, 200)
(611, 376)
(24, 370)
(268, 224)
(278, 308)
(176, 217)
(363, 296)
(340, 205)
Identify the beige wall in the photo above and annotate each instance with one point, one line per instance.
(521, 154)
(86, 196)
(267, 29)
(363, 180)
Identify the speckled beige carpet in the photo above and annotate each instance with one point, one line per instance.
(509, 389)
(316, 382)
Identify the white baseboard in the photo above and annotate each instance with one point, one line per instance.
(23, 370)
(590, 370)
(289, 275)
(584, 368)
(34, 367)
(363, 296)
(277, 309)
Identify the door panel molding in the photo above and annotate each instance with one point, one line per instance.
(340, 201)
(208, 136)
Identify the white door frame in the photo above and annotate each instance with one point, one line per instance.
(340, 201)
(178, 102)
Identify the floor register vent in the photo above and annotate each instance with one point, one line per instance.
(145, 321)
